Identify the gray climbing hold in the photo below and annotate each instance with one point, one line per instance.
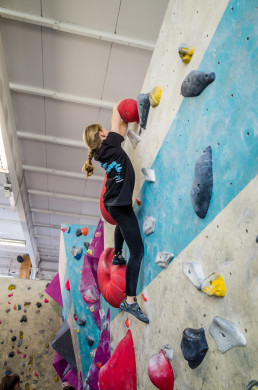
(82, 321)
(89, 340)
(163, 259)
(149, 174)
(202, 183)
(226, 334)
(253, 385)
(169, 352)
(143, 104)
(148, 225)
(23, 319)
(19, 343)
(194, 272)
(257, 239)
(133, 137)
(194, 346)
(78, 232)
(86, 244)
(63, 344)
(37, 311)
(196, 82)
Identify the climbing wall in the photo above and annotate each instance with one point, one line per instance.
(222, 118)
(29, 320)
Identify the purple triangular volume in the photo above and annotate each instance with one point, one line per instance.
(54, 290)
(90, 291)
(102, 354)
(96, 248)
(59, 364)
(71, 376)
(80, 385)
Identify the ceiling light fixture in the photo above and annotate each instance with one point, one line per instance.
(3, 160)
(12, 242)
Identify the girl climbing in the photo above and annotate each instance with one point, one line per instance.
(105, 146)
(10, 382)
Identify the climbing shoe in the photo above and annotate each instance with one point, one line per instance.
(135, 310)
(118, 260)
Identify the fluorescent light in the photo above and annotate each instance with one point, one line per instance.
(3, 161)
(11, 242)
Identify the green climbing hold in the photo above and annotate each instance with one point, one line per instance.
(11, 287)
(30, 361)
(27, 303)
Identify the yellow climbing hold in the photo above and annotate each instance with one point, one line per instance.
(185, 53)
(11, 287)
(27, 386)
(214, 285)
(155, 96)
(30, 361)
(56, 378)
(89, 251)
(21, 335)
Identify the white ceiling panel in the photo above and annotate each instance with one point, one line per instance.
(8, 230)
(22, 46)
(62, 219)
(90, 209)
(104, 117)
(39, 202)
(74, 64)
(62, 204)
(7, 213)
(65, 158)
(68, 120)
(93, 188)
(43, 241)
(44, 231)
(30, 6)
(66, 185)
(33, 152)
(87, 222)
(97, 14)
(126, 71)
(29, 112)
(40, 218)
(141, 18)
(36, 181)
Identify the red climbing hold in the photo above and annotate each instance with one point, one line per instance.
(103, 210)
(10, 295)
(120, 370)
(85, 231)
(18, 351)
(46, 300)
(128, 110)
(160, 372)
(144, 297)
(0, 322)
(14, 307)
(67, 285)
(127, 323)
(111, 278)
(138, 201)
(35, 373)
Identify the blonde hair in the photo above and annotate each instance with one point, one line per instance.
(93, 142)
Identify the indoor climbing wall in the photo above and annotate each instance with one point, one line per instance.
(29, 320)
(198, 207)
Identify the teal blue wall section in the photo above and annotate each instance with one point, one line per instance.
(73, 272)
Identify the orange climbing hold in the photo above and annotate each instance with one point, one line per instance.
(127, 323)
(85, 231)
(138, 201)
(144, 297)
(98, 365)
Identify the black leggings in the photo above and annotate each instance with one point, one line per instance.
(127, 229)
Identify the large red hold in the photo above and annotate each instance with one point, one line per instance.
(111, 278)
(103, 210)
(160, 372)
(128, 110)
(119, 373)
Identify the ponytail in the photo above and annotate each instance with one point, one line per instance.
(93, 142)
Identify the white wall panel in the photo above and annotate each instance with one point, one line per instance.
(33, 152)
(41, 218)
(90, 209)
(93, 188)
(29, 112)
(30, 6)
(65, 158)
(62, 219)
(38, 202)
(69, 206)
(36, 181)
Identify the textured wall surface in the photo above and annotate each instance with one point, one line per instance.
(35, 352)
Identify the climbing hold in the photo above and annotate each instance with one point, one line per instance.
(27, 386)
(89, 340)
(9, 303)
(90, 295)
(138, 201)
(194, 346)
(120, 370)
(98, 365)
(149, 174)
(67, 285)
(85, 231)
(56, 378)
(11, 287)
(19, 307)
(128, 110)
(7, 310)
(144, 297)
(63, 344)
(185, 52)
(35, 372)
(78, 232)
(226, 334)
(133, 137)
(82, 321)
(13, 338)
(46, 300)
(194, 272)
(11, 354)
(89, 251)
(202, 183)
(111, 278)
(196, 82)
(163, 259)
(76, 252)
(20, 259)
(8, 372)
(66, 228)
(27, 303)
(0, 322)
(127, 323)
(19, 343)
(214, 285)
(86, 244)
(30, 361)
(160, 372)
(143, 104)
(103, 210)
(14, 307)
(102, 314)
(169, 352)
(39, 304)
(75, 317)
(37, 311)
(18, 351)
(253, 385)
(41, 331)
(155, 96)
(21, 335)
(24, 356)
(148, 225)
(92, 309)
(23, 319)
(10, 295)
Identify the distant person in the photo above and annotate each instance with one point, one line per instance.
(10, 382)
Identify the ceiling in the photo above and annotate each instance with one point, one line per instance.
(67, 63)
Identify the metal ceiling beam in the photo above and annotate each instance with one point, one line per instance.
(49, 237)
(63, 196)
(45, 225)
(51, 139)
(42, 211)
(59, 25)
(57, 172)
(60, 96)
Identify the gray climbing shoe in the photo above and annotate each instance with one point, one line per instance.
(135, 310)
(118, 260)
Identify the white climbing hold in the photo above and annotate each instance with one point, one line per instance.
(133, 137)
(194, 272)
(226, 334)
(163, 258)
(148, 225)
(102, 314)
(169, 352)
(149, 174)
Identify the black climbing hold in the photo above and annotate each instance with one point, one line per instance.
(194, 346)
(86, 244)
(13, 338)
(202, 183)
(20, 259)
(196, 82)
(39, 304)
(89, 340)
(78, 232)
(47, 285)
(143, 104)
(82, 321)
(11, 354)
(257, 239)
(252, 385)
(23, 319)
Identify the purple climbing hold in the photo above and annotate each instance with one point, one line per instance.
(196, 82)
(54, 290)
(23, 319)
(143, 104)
(89, 340)
(59, 364)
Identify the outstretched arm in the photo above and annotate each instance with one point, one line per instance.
(118, 125)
